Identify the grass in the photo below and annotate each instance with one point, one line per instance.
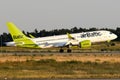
(50, 68)
(87, 65)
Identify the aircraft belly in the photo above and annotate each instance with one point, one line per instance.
(55, 44)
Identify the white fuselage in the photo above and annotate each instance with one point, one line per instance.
(62, 40)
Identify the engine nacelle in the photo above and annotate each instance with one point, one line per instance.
(85, 44)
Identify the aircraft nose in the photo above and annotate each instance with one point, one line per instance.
(115, 36)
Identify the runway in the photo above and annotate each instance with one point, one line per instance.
(82, 52)
(57, 79)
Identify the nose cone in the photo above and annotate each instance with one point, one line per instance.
(114, 36)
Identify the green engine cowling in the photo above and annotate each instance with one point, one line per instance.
(85, 44)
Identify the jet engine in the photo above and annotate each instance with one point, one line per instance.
(85, 44)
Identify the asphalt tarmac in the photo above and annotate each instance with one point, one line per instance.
(39, 53)
(55, 79)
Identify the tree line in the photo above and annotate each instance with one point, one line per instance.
(6, 37)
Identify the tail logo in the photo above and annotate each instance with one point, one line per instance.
(17, 36)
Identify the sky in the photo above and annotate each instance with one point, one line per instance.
(29, 15)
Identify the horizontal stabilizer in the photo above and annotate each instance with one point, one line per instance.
(31, 36)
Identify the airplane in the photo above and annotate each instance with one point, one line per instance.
(82, 40)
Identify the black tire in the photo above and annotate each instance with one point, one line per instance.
(61, 50)
(69, 50)
(112, 44)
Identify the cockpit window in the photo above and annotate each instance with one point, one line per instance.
(111, 33)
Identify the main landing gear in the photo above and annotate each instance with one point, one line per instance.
(69, 50)
(62, 50)
(110, 44)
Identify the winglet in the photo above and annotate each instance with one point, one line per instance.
(69, 36)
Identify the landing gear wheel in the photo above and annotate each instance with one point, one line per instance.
(61, 50)
(112, 44)
(69, 50)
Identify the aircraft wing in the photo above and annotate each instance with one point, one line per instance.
(60, 44)
(48, 45)
(71, 40)
(70, 37)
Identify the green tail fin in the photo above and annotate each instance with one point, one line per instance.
(18, 37)
(16, 34)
